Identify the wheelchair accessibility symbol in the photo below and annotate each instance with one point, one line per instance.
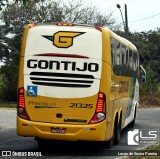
(32, 91)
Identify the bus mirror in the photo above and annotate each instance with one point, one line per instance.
(143, 78)
(142, 74)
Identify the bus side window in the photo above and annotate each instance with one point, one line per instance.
(134, 61)
(123, 55)
(137, 63)
(115, 53)
(127, 56)
(127, 62)
(130, 59)
(123, 66)
(118, 57)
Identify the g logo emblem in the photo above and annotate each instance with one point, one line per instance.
(63, 39)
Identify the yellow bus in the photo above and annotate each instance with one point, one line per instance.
(76, 83)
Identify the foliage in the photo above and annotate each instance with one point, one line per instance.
(149, 50)
(3, 3)
(8, 81)
(149, 91)
(16, 16)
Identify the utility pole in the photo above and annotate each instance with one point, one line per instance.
(126, 20)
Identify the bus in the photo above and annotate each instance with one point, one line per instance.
(76, 83)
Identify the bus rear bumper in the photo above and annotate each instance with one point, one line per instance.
(93, 132)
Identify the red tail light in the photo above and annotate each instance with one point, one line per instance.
(98, 28)
(65, 24)
(100, 112)
(21, 111)
(32, 25)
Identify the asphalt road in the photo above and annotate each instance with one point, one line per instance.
(146, 119)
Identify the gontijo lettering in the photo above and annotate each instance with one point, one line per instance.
(62, 65)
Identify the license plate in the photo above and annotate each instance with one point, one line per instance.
(58, 130)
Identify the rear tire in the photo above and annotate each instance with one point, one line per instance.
(132, 123)
(117, 133)
(42, 143)
(108, 144)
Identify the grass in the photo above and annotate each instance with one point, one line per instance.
(156, 147)
(4, 104)
(150, 100)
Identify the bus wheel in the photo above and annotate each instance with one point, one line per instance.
(116, 133)
(108, 144)
(41, 142)
(131, 125)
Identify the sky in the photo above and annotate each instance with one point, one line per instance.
(143, 15)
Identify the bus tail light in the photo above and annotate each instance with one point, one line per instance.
(32, 25)
(100, 112)
(65, 24)
(98, 28)
(21, 111)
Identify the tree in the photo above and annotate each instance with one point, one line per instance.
(16, 15)
(3, 3)
(149, 49)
